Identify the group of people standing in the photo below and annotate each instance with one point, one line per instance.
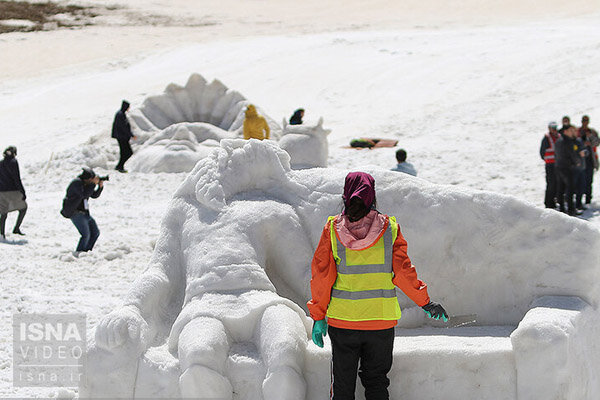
(571, 158)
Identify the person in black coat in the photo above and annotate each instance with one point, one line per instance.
(76, 208)
(296, 119)
(569, 162)
(12, 192)
(121, 130)
(591, 140)
(566, 124)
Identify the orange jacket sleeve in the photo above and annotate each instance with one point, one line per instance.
(324, 274)
(405, 274)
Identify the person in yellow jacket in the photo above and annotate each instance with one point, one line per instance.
(255, 126)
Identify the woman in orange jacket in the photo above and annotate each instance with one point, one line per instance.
(360, 259)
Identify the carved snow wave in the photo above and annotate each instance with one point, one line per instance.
(183, 125)
(198, 101)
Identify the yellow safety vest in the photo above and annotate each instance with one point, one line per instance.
(363, 290)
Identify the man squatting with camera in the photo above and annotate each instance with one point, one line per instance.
(76, 207)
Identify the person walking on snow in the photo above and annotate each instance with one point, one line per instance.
(121, 130)
(590, 139)
(360, 259)
(547, 154)
(76, 207)
(255, 126)
(12, 192)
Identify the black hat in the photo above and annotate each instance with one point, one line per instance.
(87, 173)
(10, 152)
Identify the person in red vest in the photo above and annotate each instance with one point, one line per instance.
(547, 154)
(360, 259)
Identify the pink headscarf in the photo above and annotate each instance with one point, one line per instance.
(361, 185)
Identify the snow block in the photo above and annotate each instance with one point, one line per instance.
(556, 350)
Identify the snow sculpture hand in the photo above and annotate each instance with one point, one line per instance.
(435, 311)
(119, 327)
(319, 330)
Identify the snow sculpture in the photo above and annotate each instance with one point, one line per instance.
(223, 294)
(218, 313)
(210, 111)
(178, 148)
(306, 145)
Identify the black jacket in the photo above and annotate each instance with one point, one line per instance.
(567, 153)
(77, 192)
(563, 129)
(296, 119)
(10, 177)
(121, 130)
(544, 147)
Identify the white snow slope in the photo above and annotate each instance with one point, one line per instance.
(467, 89)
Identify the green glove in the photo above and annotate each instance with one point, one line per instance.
(435, 311)
(319, 330)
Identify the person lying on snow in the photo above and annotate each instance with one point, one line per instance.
(359, 260)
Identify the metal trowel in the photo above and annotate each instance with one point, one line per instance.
(454, 321)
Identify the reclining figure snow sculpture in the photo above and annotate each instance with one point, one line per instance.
(232, 266)
(214, 268)
(306, 145)
(210, 111)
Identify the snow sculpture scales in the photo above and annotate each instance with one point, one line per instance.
(182, 125)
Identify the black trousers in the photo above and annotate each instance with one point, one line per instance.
(550, 198)
(589, 179)
(579, 178)
(126, 153)
(371, 351)
(565, 179)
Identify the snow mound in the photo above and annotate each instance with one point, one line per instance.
(182, 125)
(306, 144)
(220, 310)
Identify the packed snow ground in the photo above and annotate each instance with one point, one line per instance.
(469, 103)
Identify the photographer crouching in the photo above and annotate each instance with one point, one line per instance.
(76, 207)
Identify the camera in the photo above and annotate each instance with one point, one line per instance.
(103, 178)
